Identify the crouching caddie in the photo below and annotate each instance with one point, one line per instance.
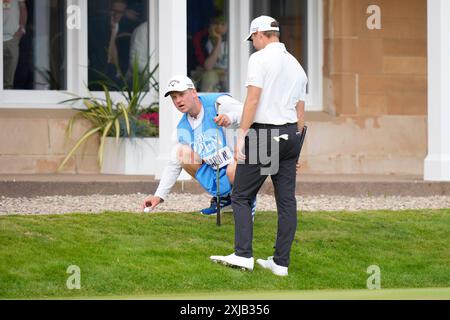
(197, 149)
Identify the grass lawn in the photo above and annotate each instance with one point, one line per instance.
(167, 254)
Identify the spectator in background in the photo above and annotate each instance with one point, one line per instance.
(139, 47)
(14, 22)
(123, 22)
(110, 26)
(211, 52)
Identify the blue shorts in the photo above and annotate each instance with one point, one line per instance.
(207, 177)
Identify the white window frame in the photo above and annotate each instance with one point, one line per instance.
(32, 99)
(314, 98)
(76, 69)
(240, 51)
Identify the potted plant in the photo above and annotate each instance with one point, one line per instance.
(126, 127)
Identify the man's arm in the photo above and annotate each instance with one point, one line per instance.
(231, 108)
(211, 60)
(248, 116)
(250, 105)
(168, 179)
(23, 16)
(300, 107)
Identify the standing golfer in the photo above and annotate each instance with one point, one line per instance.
(199, 150)
(272, 121)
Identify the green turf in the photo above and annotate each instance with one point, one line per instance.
(383, 294)
(125, 254)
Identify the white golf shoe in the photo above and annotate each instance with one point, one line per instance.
(272, 266)
(235, 261)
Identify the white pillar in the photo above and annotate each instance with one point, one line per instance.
(437, 163)
(172, 60)
(239, 49)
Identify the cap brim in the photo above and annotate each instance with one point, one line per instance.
(174, 90)
(179, 89)
(248, 38)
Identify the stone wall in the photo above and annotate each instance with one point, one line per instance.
(375, 72)
(35, 141)
(375, 102)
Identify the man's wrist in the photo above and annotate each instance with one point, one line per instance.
(22, 29)
(159, 196)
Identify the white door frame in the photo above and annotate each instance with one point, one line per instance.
(240, 18)
(437, 162)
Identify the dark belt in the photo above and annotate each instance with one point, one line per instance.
(271, 126)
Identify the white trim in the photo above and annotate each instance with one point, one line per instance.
(38, 99)
(437, 162)
(76, 68)
(153, 44)
(240, 51)
(1, 52)
(239, 22)
(77, 51)
(314, 98)
(172, 60)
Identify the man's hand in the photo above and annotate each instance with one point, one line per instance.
(222, 120)
(215, 32)
(19, 34)
(151, 201)
(132, 14)
(239, 152)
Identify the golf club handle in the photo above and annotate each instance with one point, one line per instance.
(302, 137)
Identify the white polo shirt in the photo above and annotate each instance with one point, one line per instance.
(283, 81)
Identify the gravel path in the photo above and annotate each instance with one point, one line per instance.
(190, 203)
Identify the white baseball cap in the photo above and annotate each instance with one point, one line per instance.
(179, 83)
(262, 23)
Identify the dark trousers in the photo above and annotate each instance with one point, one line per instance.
(280, 164)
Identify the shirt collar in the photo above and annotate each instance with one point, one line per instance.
(199, 116)
(279, 45)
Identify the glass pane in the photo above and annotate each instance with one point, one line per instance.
(208, 44)
(292, 16)
(34, 37)
(117, 35)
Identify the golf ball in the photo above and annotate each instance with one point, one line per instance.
(147, 209)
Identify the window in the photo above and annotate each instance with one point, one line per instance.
(34, 38)
(301, 32)
(117, 36)
(292, 16)
(208, 44)
(54, 59)
(65, 41)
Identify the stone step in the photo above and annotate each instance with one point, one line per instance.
(321, 184)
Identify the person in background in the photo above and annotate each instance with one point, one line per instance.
(139, 47)
(211, 52)
(14, 21)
